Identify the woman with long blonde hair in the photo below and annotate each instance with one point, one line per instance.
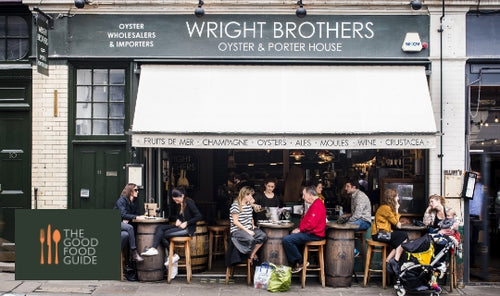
(245, 236)
(387, 219)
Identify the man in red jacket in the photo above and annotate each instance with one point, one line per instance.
(311, 228)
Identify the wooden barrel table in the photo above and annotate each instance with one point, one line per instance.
(272, 250)
(152, 268)
(339, 254)
(199, 249)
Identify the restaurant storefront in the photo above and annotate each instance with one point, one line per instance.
(341, 92)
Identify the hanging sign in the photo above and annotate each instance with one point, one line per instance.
(42, 45)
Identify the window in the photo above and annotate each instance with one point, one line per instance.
(14, 38)
(100, 102)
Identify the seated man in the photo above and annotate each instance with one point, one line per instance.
(311, 228)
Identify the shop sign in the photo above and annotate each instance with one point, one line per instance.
(67, 244)
(42, 45)
(284, 142)
(240, 36)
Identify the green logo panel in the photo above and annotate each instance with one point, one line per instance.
(67, 245)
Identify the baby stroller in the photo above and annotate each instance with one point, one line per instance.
(422, 263)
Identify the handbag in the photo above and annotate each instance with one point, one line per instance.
(384, 236)
(281, 278)
(262, 275)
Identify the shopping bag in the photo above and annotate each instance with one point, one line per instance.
(262, 275)
(281, 278)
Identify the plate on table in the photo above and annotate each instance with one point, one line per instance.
(285, 221)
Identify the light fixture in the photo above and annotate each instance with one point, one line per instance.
(415, 4)
(325, 155)
(199, 11)
(496, 119)
(301, 11)
(81, 3)
(297, 154)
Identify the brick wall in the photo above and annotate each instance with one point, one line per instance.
(50, 138)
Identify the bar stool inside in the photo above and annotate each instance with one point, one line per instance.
(375, 247)
(217, 240)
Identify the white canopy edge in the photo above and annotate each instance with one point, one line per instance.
(283, 107)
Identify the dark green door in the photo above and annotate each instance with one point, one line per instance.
(98, 176)
(15, 168)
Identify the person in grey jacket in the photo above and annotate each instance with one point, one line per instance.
(361, 208)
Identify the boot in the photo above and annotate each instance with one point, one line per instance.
(136, 256)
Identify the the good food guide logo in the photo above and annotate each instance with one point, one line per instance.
(76, 248)
(67, 244)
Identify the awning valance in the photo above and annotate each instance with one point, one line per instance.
(283, 107)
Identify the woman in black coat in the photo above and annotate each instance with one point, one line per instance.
(185, 224)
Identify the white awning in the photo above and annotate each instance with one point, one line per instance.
(283, 107)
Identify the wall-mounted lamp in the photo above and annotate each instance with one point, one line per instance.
(301, 11)
(199, 11)
(415, 4)
(81, 3)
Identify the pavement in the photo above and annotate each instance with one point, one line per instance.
(206, 284)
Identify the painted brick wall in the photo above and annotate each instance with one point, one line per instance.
(50, 138)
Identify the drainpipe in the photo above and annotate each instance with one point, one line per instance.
(440, 155)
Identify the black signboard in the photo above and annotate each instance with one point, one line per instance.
(42, 45)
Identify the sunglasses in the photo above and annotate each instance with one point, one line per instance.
(136, 189)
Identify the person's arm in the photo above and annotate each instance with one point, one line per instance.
(121, 204)
(195, 214)
(311, 219)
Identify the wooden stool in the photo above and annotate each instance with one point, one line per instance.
(360, 234)
(319, 247)
(123, 257)
(230, 271)
(180, 242)
(375, 247)
(215, 234)
(453, 271)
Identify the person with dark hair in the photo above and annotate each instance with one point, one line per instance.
(360, 206)
(267, 198)
(386, 219)
(319, 189)
(185, 223)
(129, 211)
(312, 227)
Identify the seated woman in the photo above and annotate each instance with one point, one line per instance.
(129, 211)
(441, 219)
(244, 235)
(386, 219)
(267, 198)
(185, 224)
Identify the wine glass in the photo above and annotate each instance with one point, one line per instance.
(268, 213)
(287, 215)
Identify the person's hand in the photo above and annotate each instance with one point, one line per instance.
(142, 217)
(183, 225)
(178, 223)
(125, 221)
(296, 230)
(398, 225)
(251, 232)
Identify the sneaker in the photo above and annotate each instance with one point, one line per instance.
(175, 260)
(299, 267)
(356, 253)
(150, 252)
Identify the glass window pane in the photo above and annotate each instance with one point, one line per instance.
(117, 110)
(117, 76)
(83, 94)
(16, 49)
(17, 27)
(116, 127)
(83, 76)
(100, 127)
(117, 93)
(100, 110)
(83, 127)
(2, 51)
(2, 26)
(100, 77)
(100, 94)
(83, 110)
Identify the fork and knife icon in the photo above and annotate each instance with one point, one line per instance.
(51, 237)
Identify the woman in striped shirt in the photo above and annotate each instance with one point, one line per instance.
(244, 235)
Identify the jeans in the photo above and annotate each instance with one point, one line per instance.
(164, 232)
(292, 243)
(362, 224)
(131, 235)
